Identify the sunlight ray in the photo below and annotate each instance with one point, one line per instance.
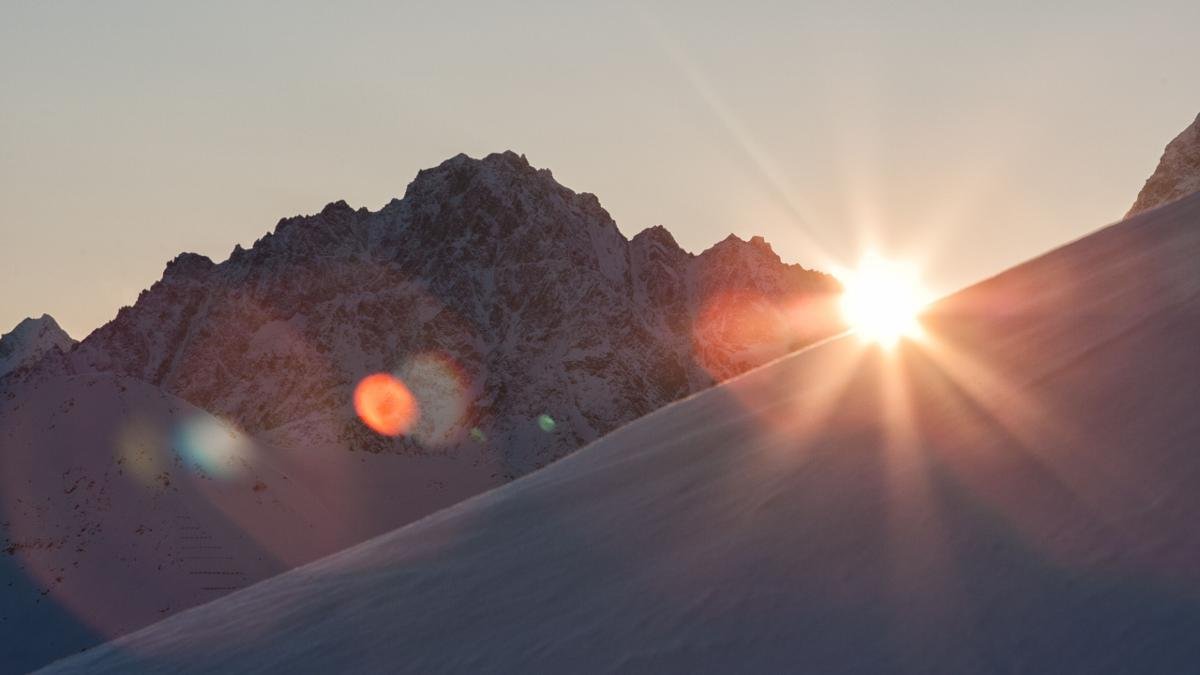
(917, 534)
(814, 400)
(1037, 423)
(1039, 432)
(802, 214)
(1030, 421)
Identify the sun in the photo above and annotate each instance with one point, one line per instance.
(881, 300)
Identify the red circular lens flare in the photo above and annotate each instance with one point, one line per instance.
(385, 404)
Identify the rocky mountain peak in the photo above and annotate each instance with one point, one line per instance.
(31, 340)
(513, 296)
(1177, 174)
(188, 266)
(501, 173)
(336, 209)
(659, 238)
(758, 242)
(734, 247)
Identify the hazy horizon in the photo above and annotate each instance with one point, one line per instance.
(967, 139)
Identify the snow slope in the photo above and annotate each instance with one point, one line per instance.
(1013, 493)
(121, 504)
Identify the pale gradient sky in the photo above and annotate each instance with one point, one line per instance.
(966, 135)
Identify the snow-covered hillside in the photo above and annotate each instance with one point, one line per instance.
(123, 504)
(1015, 492)
(30, 340)
(1177, 174)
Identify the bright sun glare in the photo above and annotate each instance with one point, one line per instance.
(881, 300)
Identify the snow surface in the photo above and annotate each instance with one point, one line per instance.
(122, 504)
(1016, 492)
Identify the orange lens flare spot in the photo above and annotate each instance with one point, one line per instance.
(737, 330)
(385, 404)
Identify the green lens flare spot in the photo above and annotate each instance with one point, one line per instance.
(546, 423)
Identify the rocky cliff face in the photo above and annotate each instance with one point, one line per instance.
(29, 341)
(1178, 172)
(525, 323)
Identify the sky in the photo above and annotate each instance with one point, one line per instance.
(963, 136)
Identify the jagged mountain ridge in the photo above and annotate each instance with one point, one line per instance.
(30, 340)
(1177, 174)
(526, 289)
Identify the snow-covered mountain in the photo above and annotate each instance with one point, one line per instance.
(1014, 492)
(525, 322)
(29, 341)
(522, 319)
(1177, 174)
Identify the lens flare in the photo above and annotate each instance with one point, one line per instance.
(737, 330)
(139, 445)
(441, 391)
(213, 446)
(385, 405)
(882, 299)
(546, 423)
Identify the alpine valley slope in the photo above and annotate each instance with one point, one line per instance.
(123, 504)
(102, 536)
(1014, 492)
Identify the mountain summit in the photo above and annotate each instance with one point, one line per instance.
(30, 340)
(526, 324)
(1178, 172)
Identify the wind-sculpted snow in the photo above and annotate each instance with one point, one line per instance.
(526, 290)
(1013, 492)
(1177, 174)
